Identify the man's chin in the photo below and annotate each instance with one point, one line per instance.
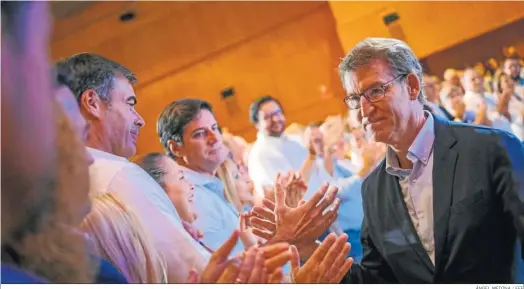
(129, 152)
(276, 133)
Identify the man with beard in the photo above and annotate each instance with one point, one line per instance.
(275, 152)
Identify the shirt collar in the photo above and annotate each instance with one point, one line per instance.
(213, 184)
(105, 155)
(420, 149)
(277, 139)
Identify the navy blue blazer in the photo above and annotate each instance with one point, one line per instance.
(478, 207)
(109, 274)
(12, 275)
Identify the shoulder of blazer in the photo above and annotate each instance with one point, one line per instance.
(447, 131)
(370, 182)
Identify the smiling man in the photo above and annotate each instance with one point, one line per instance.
(447, 203)
(276, 152)
(104, 92)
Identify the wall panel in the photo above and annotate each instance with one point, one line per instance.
(429, 27)
(290, 63)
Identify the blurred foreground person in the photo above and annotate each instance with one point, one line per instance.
(28, 172)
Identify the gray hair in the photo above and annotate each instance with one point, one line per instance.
(174, 118)
(397, 53)
(91, 71)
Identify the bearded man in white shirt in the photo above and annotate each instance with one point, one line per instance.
(275, 152)
(105, 94)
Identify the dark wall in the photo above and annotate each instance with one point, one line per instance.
(478, 49)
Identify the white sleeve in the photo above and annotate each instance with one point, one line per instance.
(500, 122)
(150, 203)
(263, 170)
(348, 188)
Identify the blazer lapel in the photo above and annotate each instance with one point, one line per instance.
(404, 220)
(444, 161)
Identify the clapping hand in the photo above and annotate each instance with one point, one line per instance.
(294, 186)
(219, 262)
(481, 117)
(277, 222)
(328, 264)
(256, 265)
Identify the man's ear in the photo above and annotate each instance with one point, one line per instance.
(174, 147)
(91, 104)
(413, 86)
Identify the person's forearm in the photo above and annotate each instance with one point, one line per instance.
(329, 163)
(482, 121)
(307, 168)
(248, 239)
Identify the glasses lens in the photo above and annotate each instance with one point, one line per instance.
(375, 94)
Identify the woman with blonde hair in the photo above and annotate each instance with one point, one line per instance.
(237, 186)
(238, 192)
(170, 177)
(120, 237)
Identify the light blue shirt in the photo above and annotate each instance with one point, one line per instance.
(418, 153)
(217, 218)
(350, 212)
(417, 183)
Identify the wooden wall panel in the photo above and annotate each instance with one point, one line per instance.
(429, 27)
(167, 37)
(197, 49)
(286, 49)
(289, 62)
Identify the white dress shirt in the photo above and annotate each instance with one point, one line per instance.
(139, 192)
(472, 100)
(516, 107)
(272, 155)
(417, 183)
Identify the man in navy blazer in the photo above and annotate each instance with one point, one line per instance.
(446, 205)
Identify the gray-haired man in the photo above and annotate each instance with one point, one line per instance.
(447, 203)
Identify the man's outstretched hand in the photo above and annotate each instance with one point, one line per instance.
(277, 222)
(328, 264)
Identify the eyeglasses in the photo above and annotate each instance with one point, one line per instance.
(373, 94)
(270, 115)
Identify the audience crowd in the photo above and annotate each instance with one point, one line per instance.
(301, 204)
